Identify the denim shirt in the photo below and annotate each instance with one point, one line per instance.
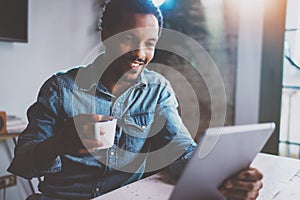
(150, 134)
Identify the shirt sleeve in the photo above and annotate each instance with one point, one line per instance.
(173, 145)
(43, 122)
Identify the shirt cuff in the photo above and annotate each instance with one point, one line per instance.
(23, 163)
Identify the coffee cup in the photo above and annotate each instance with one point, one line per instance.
(105, 130)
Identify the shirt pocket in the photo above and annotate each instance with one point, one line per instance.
(136, 128)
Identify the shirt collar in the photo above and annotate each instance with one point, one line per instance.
(142, 81)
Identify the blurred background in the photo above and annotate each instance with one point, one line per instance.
(254, 44)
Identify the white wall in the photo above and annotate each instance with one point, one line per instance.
(249, 61)
(61, 35)
(260, 59)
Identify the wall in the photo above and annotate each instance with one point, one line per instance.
(209, 27)
(61, 34)
(259, 69)
(272, 68)
(249, 62)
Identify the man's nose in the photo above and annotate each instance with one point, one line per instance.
(140, 53)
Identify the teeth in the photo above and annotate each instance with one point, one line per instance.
(134, 64)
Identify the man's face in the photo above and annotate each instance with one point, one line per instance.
(135, 44)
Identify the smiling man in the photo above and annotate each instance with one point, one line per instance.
(58, 142)
(133, 47)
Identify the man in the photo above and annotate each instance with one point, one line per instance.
(58, 142)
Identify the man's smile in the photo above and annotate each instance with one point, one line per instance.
(135, 65)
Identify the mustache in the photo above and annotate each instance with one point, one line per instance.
(135, 59)
(132, 57)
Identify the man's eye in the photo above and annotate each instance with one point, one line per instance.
(150, 44)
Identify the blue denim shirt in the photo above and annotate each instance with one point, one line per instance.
(149, 137)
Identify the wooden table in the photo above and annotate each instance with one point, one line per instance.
(7, 136)
(281, 182)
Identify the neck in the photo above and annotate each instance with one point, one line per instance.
(114, 83)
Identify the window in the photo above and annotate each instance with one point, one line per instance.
(290, 107)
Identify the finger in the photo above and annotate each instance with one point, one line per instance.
(83, 151)
(93, 149)
(73, 142)
(83, 118)
(87, 128)
(239, 195)
(89, 131)
(102, 131)
(90, 144)
(75, 150)
(243, 185)
(77, 123)
(251, 174)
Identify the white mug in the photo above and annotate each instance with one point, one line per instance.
(108, 125)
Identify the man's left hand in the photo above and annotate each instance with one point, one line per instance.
(244, 185)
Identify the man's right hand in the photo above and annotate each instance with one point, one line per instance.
(78, 136)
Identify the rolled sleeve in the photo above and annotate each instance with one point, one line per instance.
(43, 120)
(23, 163)
(176, 167)
(174, 142)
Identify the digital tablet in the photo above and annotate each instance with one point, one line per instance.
(221, 153)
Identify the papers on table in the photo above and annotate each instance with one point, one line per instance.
(279, 175)
(14, 124)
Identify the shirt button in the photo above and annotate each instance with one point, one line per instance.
(144, 127)
(112, 153)
(97, 189)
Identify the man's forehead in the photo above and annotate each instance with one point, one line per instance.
(142, 33)
(131, 19)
